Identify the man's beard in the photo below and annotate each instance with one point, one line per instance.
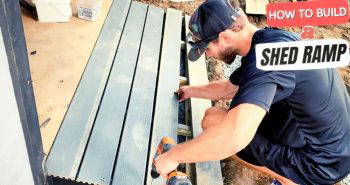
(228, 55)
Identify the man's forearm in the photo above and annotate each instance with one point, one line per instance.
(224, 139)
(218, 141)
(216, 90)
(215, 143)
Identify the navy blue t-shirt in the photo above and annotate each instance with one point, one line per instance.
(317, 99)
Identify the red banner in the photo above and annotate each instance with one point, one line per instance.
(307, 13)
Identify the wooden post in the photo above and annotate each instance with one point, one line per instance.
(19, 129)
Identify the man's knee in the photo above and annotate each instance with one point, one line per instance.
(215, 111)
(213, 115)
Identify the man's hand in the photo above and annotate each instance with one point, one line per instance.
(216, 90)
(184, 92)
(166, 163)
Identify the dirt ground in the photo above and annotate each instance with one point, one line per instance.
(233, 172)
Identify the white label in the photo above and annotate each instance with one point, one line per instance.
(302, 55)
(88, 13)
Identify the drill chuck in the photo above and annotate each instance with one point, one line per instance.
(154, 174)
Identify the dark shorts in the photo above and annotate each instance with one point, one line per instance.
(280, 145)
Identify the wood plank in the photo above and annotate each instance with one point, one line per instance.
(166, 106)
(256, 6)
(207, 173)
(66, 153)
(184, 130)
(132, 156)
(183, 81)
(98, 162)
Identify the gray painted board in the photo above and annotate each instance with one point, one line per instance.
(13, 153)
(98, 162)
(166, 105)
(132, 157)
(66, 153)
(207, 173)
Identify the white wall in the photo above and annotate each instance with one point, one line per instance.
(14, 162)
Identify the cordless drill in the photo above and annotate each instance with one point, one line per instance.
(175, 177)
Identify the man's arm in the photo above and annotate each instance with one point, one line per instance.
(217, 142)
(216, 90)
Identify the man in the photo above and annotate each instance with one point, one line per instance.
(295, 123)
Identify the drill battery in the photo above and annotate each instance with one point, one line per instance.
(175, 177)
(178, 178)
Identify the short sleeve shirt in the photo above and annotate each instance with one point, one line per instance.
(317, 99)
(262, 87)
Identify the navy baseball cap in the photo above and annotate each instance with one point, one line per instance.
(209, 19)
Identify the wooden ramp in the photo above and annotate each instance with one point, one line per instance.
(125, 102)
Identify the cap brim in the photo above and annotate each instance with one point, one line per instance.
(196, 52)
